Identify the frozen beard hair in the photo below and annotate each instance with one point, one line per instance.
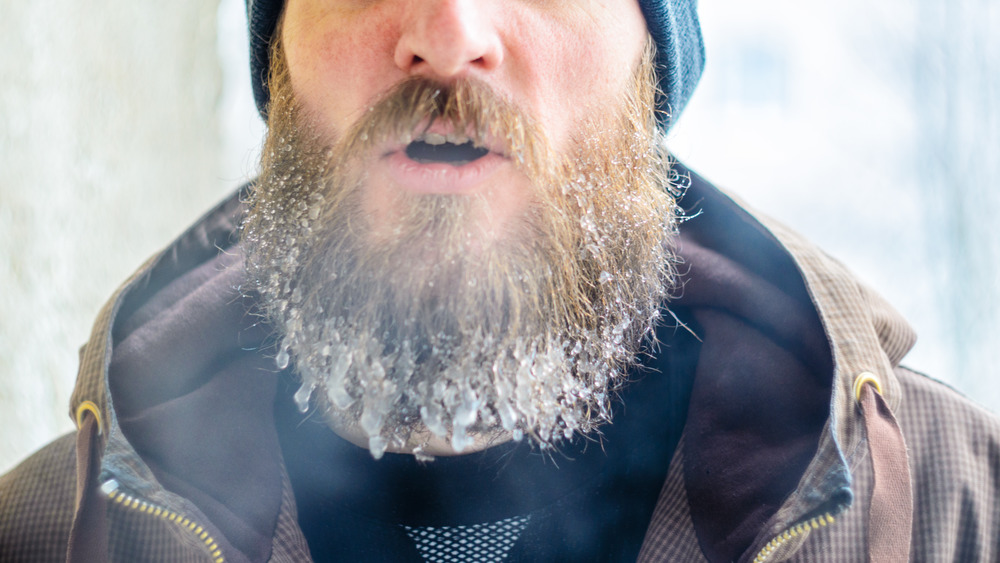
(437, 325)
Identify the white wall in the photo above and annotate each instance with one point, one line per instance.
(873, 128)
(109, 145)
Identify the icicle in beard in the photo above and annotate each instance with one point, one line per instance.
(435, 334)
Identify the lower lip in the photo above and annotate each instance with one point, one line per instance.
(439, 177)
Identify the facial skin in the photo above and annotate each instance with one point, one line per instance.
(560, 61)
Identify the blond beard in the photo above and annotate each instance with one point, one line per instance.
(439, 326)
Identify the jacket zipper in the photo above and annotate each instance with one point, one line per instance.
(111, 490)
(807, 526)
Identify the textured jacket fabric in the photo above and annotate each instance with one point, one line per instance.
(177, 457)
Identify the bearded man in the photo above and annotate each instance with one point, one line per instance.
(471, 310)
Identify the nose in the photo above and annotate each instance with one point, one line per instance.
(447, 39)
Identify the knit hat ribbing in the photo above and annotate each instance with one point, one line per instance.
(673, 24)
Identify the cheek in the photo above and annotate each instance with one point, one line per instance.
(336, 75)
(574, 76)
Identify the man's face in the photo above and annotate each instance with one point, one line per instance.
(461, 227)
(561, 62)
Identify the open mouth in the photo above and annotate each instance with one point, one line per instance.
(444, 162)
(449, 149)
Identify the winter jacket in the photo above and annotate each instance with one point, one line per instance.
(805, 440)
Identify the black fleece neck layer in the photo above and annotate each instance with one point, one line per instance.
(762, 387)
(589, 500)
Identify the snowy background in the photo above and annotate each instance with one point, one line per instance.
(871, 127)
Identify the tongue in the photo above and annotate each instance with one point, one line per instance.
(448, 152)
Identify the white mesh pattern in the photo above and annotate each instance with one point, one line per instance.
(487, 543)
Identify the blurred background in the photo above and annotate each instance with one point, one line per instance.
(871, 127)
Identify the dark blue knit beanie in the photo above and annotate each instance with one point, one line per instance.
(680, 53)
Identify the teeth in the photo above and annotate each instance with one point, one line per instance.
(434, 139)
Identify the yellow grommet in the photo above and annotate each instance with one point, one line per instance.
(89, 406)
(861, 379)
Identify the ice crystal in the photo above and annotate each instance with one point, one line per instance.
(303, 395)
(282, 359)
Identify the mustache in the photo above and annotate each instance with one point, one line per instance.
(467, 106)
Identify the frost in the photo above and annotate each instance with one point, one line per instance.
(371, 420)
(431, 416)
(507, 415)
(339, 396)
(460, 440)
(377, 446)
(303, 395)
(421, 455)
(283, 358)
(340, 366)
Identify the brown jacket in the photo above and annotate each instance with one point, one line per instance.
(775, 464)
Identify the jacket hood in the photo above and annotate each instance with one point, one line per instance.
(176, 367)
(773, 428)
(179, 370)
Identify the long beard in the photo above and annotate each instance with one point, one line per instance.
(440, 323)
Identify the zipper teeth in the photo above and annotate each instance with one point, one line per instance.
(808, 526)
(110, 489)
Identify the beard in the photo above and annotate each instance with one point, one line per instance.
(437, 322)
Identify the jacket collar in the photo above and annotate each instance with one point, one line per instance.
(751, 427)
(864, 335)
(179, 365)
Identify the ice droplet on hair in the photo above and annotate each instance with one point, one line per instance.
(303, 395)
(460, 440)
(283, 358)
(377, 446)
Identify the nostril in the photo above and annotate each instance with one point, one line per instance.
(446, 39)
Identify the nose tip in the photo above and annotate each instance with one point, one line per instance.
(447, 38)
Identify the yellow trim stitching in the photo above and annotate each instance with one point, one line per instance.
(792, 532)
(148, 508)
